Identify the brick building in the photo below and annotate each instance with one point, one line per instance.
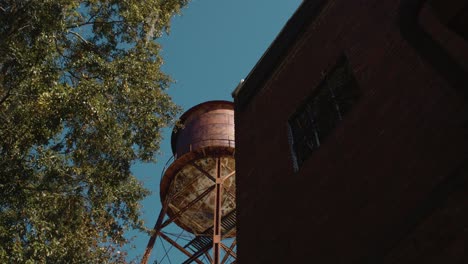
(352, 136)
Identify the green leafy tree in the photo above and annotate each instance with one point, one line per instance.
(82, 97)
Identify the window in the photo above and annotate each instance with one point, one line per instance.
(316, 118)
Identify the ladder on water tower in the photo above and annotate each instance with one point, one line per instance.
(203, 242)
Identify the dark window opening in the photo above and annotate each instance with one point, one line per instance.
(453, 14)
(316, 118)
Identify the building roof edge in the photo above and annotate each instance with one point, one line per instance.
(271, 58)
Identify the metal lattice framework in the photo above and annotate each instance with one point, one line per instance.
(200, 199)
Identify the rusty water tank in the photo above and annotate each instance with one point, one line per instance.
(207, 124)
(206, 136)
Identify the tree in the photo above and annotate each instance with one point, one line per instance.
(82, 97)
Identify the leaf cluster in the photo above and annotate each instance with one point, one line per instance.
(82, 97)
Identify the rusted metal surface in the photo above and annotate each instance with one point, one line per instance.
(186, 207)
(187, 178)
(207, 124)
(207, 135)
(192, 187)
(217, 212)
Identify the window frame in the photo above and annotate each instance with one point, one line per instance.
(308, 127)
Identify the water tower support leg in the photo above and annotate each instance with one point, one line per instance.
(217, 213)
(152, 240)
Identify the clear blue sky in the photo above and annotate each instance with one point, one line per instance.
(213, 44)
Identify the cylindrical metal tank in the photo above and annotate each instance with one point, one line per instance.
(203, 149)
(207, 124)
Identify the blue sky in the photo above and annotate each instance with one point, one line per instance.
(213, 44)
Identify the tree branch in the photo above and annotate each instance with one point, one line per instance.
(4, 97)
(96, 22)
(80, 37)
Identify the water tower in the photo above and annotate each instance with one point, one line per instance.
(198, 189)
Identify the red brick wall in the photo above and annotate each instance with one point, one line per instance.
(385, 178)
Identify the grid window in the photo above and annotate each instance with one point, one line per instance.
(316, 118)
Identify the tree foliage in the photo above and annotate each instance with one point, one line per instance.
(82, 97)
